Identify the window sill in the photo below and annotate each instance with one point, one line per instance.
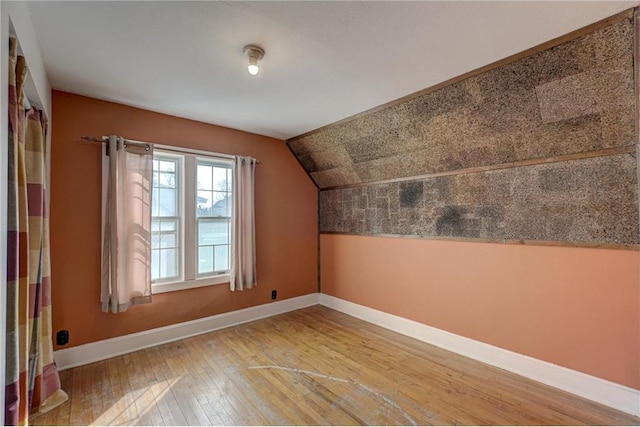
(161, 288)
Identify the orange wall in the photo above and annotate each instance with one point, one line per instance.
(574, 307)
(286, 219)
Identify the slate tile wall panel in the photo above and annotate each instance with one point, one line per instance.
(580, 201)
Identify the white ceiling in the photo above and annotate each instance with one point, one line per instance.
(324, 60)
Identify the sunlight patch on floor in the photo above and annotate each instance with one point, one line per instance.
(133, 406)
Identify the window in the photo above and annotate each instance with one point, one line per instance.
(165, 218)
(191, 220)
(214, 216)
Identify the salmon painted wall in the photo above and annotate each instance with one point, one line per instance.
(574, 307)
(286, 219)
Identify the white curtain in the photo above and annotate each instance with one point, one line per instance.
(126, 224)
(243, 246)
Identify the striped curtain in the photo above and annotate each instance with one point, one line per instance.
(32, 381)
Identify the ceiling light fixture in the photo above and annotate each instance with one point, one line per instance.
(254, 53)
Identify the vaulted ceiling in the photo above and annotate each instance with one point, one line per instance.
(324, 61)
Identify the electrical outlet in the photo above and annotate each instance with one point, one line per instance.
(62, 337)
(274, 294)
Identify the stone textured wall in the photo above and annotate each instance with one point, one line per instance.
(581, 201)
(575, 98)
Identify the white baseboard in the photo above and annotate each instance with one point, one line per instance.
(105, 349)
(602, 391)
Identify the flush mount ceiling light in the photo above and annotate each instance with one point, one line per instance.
(254, 53)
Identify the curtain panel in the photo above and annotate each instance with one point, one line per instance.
(243, 246)
(32, 384)
(126, 221)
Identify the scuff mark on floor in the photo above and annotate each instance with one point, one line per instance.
(390, 401)
(369, 390)
(300, 371)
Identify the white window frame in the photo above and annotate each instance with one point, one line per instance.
(180, 159)
(213, 162)
(188, 252)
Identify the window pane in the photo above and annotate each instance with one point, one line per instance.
(204, 178)
(212, 232)
(204, 203)
(155, 265)
(229, 179)
(168, 225)
(166, 180)
(168, 240)
(205, 259)
(167, 166)
(155, 225)
(222, 203)
(220, 179)
(168, 263)
(155, 240)
(222, 258)
(155, 202)
(168, 203)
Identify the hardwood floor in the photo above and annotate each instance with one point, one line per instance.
(311, 366)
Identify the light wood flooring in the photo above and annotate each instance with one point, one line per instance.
(311, 366)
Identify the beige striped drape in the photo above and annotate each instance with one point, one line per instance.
(32, 384)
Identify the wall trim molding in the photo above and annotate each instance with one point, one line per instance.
(553, 243)
(627, 149)
(599, 390)
(106, 349)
